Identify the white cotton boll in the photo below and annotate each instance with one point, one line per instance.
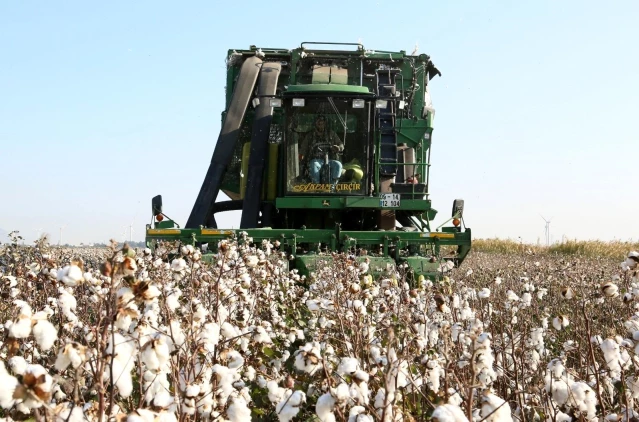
(187, 250)
(567, 293)
(122, 377)
(449, 413)
(72, 276)
(454, 397)
(498, 280)
(69, 412)
(43, 385)
(559, 390)
(556, 368)
(312, 305)
(541, 293)
(71, 354)
(155, 353)
(18, 365)
(13, 282)
(633, 386)
(88, 277)
(235, 360)
(142, 415)
(20, 328)
(583, 398)
(569, 346)
(341, 393)
(154, 384)
(192, 390)
(324, 408)
(308, 358)
(173, 299)
(250, 373)
(631, 261)
(60, 272)
(261, 336)
(612, 356)
(347, 366)
(363, 267)
(45, 334)
(562, 417)
(511, 296)
(58, 394)
(435, 373)
(67, 304)
(560, 322)
(359, 392)
(238, 411)
(610, 289)
(526, 299)
(380, 398)
(229, 331)
(251, 261)
(225, 378)
(178, 264)
(484, 293)
(356, 414)
(151, 293)
(290, 405)
(125, 295)
(456, 328)
(556, 323)
(9, 384)
(199, 314)
(361, 376)
(275, 393)
(176, 335)
(496, 407)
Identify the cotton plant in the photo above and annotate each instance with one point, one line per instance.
(245, 336)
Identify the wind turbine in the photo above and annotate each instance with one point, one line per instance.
(133, 223)
(547, 229)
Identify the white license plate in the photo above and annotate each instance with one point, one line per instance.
(389, 200)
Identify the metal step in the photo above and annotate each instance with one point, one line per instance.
(386, 123)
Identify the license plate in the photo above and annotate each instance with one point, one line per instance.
(389, 200)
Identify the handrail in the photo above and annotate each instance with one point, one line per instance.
(360, 45)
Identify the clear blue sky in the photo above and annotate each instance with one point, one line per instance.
(106, 104)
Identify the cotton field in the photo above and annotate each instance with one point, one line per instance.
(123, 334)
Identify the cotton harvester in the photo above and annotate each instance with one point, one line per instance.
(326, 148)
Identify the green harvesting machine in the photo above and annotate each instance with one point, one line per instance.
(326, 149)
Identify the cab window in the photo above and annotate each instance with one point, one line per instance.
(326, 147)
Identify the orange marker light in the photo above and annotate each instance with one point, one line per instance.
(456, 222)
(159, 217)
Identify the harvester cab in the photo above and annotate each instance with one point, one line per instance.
(326, 148)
